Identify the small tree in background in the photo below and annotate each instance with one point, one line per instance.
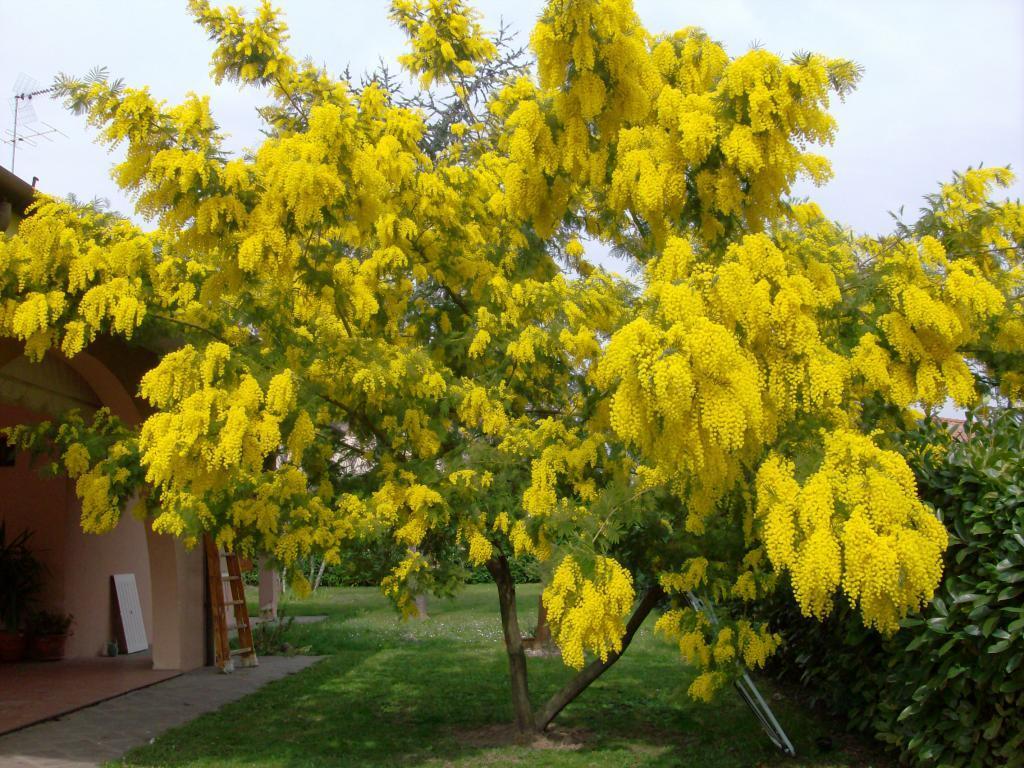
(390, 298)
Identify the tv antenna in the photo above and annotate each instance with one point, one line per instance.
(28, 128)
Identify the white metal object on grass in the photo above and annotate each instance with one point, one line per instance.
(748, 691)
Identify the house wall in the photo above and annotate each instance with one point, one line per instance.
(79, 565)
(91, 560)
(8, 219)
(30, 501)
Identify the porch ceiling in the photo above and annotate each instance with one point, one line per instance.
(49, 386)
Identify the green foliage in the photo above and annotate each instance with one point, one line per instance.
(363, 563)
(272, 638)
(525, 570)
(268, 637)
(948, 688)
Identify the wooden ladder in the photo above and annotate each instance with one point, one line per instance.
(224, 656)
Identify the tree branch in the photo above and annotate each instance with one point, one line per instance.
(458, 301)
(596, 668)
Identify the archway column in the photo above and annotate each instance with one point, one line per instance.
(176, 583)
(270, 589)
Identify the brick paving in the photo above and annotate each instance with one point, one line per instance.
(103, 732)
(32, 692)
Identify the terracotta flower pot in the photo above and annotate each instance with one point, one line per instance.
(48, 647)
(12, 645)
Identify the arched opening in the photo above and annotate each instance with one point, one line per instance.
(80, 565)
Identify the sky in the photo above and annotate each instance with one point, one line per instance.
(943, 86)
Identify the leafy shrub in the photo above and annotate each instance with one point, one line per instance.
(269, 638)
(948, 688)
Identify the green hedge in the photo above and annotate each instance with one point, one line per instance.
(948, 688)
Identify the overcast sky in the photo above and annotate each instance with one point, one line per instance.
(943, 85)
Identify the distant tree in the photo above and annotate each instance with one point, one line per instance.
(386, 326)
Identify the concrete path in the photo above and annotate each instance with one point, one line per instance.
(97, 734)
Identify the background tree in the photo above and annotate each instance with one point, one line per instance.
(387, 327)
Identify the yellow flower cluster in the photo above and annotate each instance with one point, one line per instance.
(301, 437)
(480, 548)
(208, 427)
(688, 397)
(602, 47)
(731, 131)
(99, 513)
(855, 523)
(940, 297)
(480, 411)
(692, 576)
(564, 457)
(250, 51)
(586, 611)
(77, 460)
(446, 39)
(71, 273)
(401, 584)
(716, 650)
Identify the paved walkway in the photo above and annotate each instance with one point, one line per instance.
(97, 734)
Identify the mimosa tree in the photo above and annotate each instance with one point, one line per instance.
(384, 324)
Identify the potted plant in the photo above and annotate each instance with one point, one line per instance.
(21, 576)
(48, 634)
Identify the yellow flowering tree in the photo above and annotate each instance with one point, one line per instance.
(381, 322)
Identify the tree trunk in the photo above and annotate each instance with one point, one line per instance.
(542, 635)
(320, 574)
(498, 567)
(541, 643)
(596, 668)
(421, 607)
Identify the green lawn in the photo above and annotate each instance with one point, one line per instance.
(434, 693)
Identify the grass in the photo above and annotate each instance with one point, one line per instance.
(434, 693)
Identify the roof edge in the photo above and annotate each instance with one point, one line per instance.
(16, 191)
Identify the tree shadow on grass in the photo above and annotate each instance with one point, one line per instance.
(428, 705)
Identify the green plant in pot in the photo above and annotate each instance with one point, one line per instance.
(21, 577)
(48, 634)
